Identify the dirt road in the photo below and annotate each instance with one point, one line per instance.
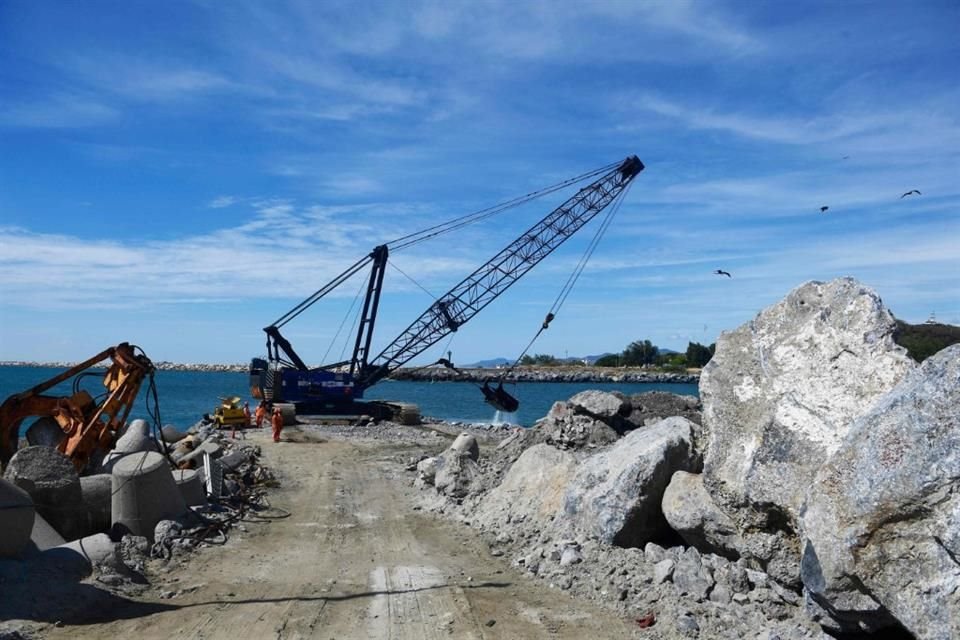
(354, 560)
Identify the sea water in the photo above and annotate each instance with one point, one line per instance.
(185, 396)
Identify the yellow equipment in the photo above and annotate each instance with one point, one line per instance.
(230, 413)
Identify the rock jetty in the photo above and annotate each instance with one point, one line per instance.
(545, 374)
(814, 492)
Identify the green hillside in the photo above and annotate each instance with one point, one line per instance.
(923, 340)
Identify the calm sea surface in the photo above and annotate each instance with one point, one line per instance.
(186, 395)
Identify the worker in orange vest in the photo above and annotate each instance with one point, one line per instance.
(260, 413)
(277, 421)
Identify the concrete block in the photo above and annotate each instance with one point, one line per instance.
(233, 460)
(467, 444)
(135, 438)
(171, 434)
(45, 432)
(96, 491)
(44, 536)
(52, 481)
(81, 556)
(18, 519)
(195, 457)
(144, 492)
(190, 483)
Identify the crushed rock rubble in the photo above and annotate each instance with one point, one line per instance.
(782, 507)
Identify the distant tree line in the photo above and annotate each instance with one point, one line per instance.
(643, 352)
(637, 354)
(923, 340)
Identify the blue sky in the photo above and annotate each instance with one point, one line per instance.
(179, 174)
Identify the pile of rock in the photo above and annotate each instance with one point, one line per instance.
(146, 494)
(822, 491)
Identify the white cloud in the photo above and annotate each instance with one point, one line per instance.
(221, 202)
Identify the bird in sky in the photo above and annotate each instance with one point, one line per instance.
(910, 193)
(824, 208)
(721, 272)
(846, 157)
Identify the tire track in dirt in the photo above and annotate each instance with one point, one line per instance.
(352, 561)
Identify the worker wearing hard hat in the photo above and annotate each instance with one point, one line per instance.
(277, 422)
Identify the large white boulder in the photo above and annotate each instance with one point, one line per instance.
(779, 395)
(532, 491)
(882, 522)
(615, 495)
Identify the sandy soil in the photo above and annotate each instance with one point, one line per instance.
(354, 560)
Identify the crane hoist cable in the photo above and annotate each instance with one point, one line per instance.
(571, 281)
(470, 218)
(499, 397)
(347, 315)
(416, 237)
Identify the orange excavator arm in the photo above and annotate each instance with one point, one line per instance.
(86, 424)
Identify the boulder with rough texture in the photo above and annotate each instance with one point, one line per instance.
(602, 405)
(18, 515)
(691, 513)
(615, 495)
(779, 395)
(53, 484)
(563, 427)
(653, 406)
(427, 469)
(691, 576)
(882, 521)
(531, 491)
(458, 473)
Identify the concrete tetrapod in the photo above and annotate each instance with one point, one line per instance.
(18, 515)
(190, 484)
(144, 493)
(97, 502)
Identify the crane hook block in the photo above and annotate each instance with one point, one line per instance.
(548, 320)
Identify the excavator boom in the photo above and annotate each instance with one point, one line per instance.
(86, 424)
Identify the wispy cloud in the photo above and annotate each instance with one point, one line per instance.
(57, 111)
(221, 202)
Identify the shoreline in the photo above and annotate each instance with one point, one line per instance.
(420, 374)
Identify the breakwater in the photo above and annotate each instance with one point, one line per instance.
(547, 374)
(436, 374)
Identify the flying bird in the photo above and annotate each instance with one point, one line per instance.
(721, 272)
(846, 157)
(824, 208)
(910, 193)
